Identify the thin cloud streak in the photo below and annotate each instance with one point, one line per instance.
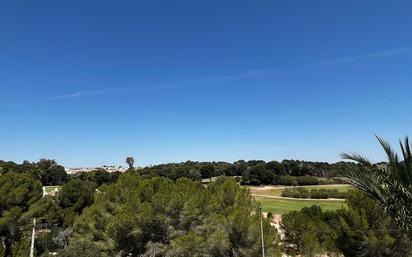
(246, 75)
(349, 59)
(103, 91)
(252, 74)
(80, 94)
(94, 92)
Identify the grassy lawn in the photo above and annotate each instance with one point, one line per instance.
(277, 191)
(49, 189)
(282, 206)
(207, 180)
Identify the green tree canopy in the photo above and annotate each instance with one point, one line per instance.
(18, 191)
(74, 197)
(140, 216)
(363, 229)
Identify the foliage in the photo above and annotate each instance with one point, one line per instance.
(47, 171)
(50, 173)
(254, 172)
(364, 230)
(297, 181)
(389, 184)
(360, 230)
(309, 230)
(44, 243)
(99, 176)
(46, 210)
(301, 192)
(81, 248)
(130, 162)
(257, 175)
(17, 193)
(140, 216)
(21, 248)
(285, 180)
(208, 171)
(74, 197)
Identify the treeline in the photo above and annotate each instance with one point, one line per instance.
(301, 192)
(287, 180)
(255, 172)
(287, 172)
(361, 229)
(50, 173)
(47, 171)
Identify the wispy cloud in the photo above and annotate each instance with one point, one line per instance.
(103, 91)
(92, 92)
(79, 94)
(256, 74)
(251, 74)
(354, 58)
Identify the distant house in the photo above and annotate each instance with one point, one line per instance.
(89, 169)
(51, 190)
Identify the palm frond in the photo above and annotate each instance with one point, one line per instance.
(407, 161)
(390, 186)
(357, 158)
(393, 159)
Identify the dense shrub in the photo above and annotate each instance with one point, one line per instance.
(326, 193)
(301, 192)
(297, 181)
(307, 180)
(360, 230)
(285, 180)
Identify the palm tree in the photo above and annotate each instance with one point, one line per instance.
(130, 162)
(389, 184)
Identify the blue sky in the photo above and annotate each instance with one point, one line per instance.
(90, 82)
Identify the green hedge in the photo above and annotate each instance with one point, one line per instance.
(301, 192)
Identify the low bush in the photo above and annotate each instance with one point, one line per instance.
(308, 180)
(285, 180)
(297, 181)
(301, 192)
